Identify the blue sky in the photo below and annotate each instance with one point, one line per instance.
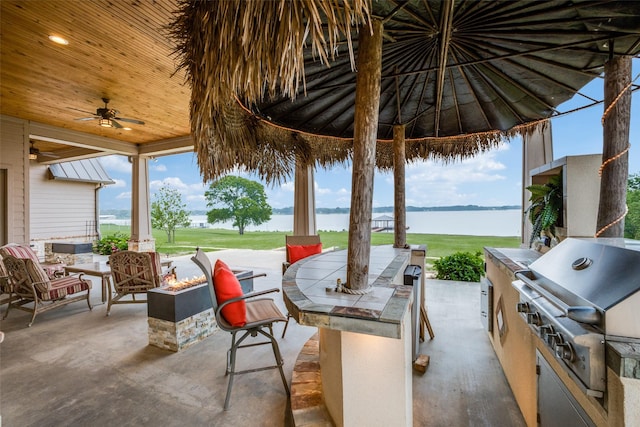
(490, 179)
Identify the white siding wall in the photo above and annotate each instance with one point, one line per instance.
(60, 210)
(14, 149)
(40, 209)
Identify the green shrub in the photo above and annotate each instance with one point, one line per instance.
(463, 266)
(112, 243)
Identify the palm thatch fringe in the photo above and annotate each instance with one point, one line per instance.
(240, 139)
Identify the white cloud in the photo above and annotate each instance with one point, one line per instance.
(119, 183)
(116, 163)
(433, 184)
(322, 191)
(288, 186)
(159, 168)
(124, 195)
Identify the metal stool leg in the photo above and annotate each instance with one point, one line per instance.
(286, 325)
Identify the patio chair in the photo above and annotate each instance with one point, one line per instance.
(133, 274)
(297, 248)
(238, 313)
(53, 269)
(30, 284)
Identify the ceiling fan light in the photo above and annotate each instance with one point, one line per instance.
(33, 156)
(105, 123)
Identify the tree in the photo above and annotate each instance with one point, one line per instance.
(168, 212)
(632, 221)
(242, 200)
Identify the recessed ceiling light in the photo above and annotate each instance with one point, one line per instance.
(58, 40)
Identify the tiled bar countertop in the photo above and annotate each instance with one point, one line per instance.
(380, 312)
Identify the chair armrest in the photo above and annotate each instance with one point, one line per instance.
(252, 277)
(247, 296)
(285, 266)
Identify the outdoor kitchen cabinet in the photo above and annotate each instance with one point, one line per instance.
(522, 355)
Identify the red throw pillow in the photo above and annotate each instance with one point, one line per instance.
(298, 252)
(227, 286)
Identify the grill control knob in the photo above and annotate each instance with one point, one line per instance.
(554, 339)
(522, 307)
(545, 331)
(565, 351)
(534, 319)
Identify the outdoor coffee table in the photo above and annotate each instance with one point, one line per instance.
(97, 269)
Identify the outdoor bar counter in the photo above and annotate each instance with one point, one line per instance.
(365, 340)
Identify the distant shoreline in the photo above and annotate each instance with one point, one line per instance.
(126, 214)
(386, 209)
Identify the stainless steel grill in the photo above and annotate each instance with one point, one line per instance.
(577, 296)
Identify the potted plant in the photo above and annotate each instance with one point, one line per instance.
(546, 208)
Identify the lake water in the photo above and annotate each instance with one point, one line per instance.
(469, 223)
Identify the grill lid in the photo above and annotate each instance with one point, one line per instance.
(588, 272)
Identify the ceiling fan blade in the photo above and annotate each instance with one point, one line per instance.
(81, 119)
(48, 154)
(82, 111)
(116, 124)
(124, 119)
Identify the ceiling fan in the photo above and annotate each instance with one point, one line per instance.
(108, 117)
(34, 153)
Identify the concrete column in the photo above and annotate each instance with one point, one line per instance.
(141, 236)
(304, 202)
(537, 150)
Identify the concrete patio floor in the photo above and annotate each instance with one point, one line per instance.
(76, 367)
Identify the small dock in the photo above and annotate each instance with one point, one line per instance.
(382, 223)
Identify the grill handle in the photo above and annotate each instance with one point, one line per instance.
(579, 313)
(584, 314)
(522, 275)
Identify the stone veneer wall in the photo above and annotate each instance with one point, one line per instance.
(178, 336)
(68, 259)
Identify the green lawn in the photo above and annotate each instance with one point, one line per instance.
(187, 239)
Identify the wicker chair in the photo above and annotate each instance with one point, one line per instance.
(134, 273)
(261, 314)
(53, 269)
(30, 285)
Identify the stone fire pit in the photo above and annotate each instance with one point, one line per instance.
(180, 314)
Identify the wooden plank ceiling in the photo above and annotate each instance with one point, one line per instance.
(118, 49)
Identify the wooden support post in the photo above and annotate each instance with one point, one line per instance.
(613, 183)
(141, 234)
(365, 132)
(304, 201)
(399, 208)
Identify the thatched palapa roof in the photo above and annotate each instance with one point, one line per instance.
(273, 81)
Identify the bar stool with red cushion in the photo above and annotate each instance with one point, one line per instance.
(297, 248)
(236, 312)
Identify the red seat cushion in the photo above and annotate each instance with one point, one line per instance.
(298, 252)
(227, 286)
